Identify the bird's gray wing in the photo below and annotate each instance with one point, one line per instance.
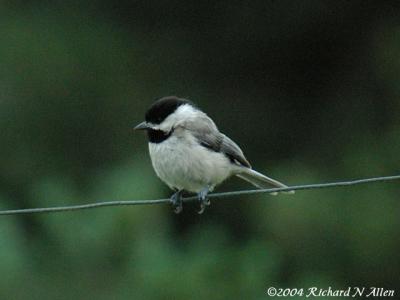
(208, 135)
(232, 150)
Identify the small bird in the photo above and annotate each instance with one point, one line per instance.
(189, 153)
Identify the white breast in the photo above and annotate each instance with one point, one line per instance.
(182, 163)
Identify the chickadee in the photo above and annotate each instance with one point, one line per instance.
(189, 153)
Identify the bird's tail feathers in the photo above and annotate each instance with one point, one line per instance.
(261, 181)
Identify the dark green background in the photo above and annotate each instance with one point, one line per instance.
(309, 89)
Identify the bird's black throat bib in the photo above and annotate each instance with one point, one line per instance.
(158, 136)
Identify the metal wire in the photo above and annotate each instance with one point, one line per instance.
(214, 195)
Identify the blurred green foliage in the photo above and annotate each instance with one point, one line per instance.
(309, 89)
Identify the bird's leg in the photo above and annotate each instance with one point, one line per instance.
(203, 198)
(176, 201)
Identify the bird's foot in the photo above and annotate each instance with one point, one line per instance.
(176, 201)
(203, 199)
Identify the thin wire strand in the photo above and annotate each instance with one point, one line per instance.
(214, 195)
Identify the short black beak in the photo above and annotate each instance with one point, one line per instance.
(142, 126)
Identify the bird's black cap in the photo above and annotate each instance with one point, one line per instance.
(163, 107)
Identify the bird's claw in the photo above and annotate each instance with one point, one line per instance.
(203, 199)
(176, 201)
